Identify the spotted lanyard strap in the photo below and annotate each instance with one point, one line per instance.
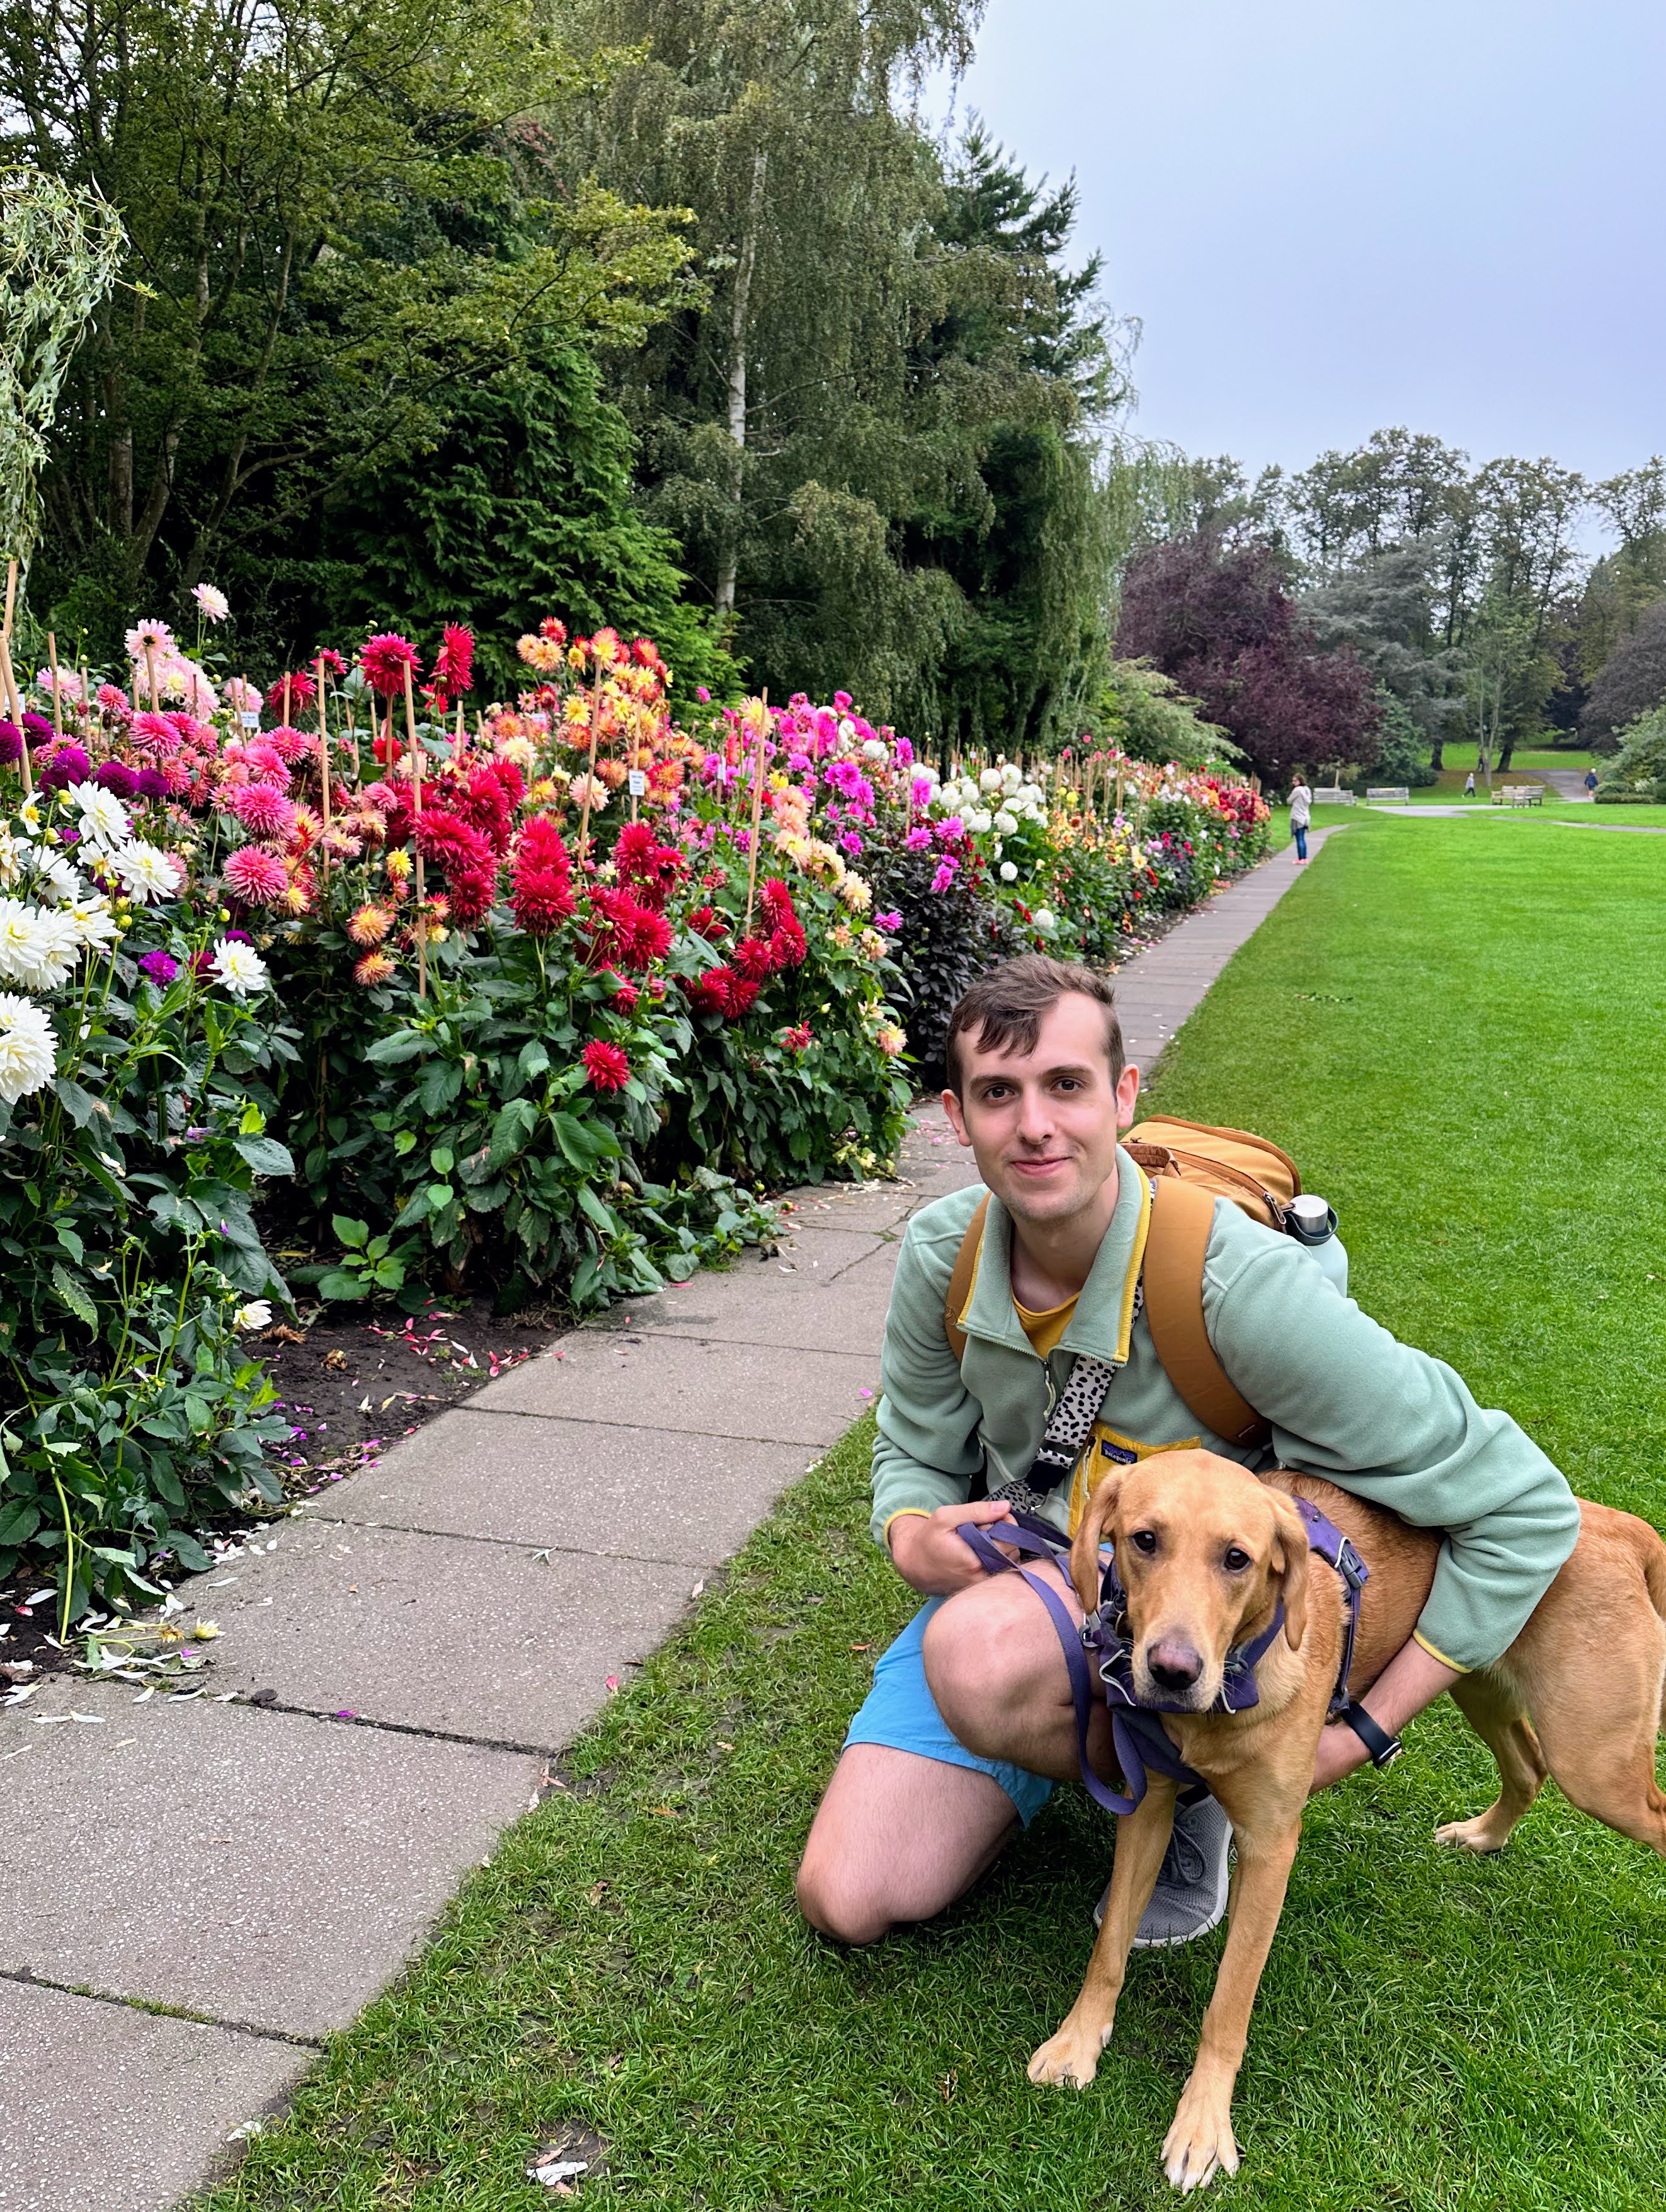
(1068, 1428)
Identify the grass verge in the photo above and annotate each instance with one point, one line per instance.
(1459, 1040)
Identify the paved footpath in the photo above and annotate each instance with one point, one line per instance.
(421, 1641)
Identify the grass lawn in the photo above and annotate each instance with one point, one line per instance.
(1458, 1032)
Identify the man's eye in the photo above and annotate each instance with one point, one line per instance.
(1236, 1561)
(1142, 1540)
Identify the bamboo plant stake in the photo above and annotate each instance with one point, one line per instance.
(417, 811)
(324, 770)
(58, 687)
(590, 774)
(15, 707)
(757, 812)
(11, 599)
(150, 669)
(286, 703)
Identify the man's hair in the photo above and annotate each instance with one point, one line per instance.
(1005, 1007)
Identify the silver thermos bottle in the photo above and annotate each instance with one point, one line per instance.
(1312, 1222)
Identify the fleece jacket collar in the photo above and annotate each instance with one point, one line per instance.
(1100, 1325)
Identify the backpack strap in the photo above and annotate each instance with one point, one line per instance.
(1182, 1216)
(959, 1283)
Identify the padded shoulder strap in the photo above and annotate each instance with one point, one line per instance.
(959, 1283)
(1181, 1217)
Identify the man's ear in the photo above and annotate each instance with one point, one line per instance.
(1100, 1513)
(1290, 1560)
(957, 1118)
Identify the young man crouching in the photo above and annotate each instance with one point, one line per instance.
(969, 1724)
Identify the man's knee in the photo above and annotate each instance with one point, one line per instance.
(984, 1663)
(838, 1902)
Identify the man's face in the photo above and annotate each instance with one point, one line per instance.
(1043, 1125)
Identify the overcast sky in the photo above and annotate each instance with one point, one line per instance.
(1333, 216)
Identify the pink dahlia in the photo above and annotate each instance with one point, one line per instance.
(257, 879)
(384, 659)
(262, 811)
(606, 1064)
(454, 663)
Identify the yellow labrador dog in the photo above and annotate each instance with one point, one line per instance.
(1206, 1552)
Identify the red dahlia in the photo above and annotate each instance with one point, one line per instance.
(454, 663)
(384, 659)
(606, 1064)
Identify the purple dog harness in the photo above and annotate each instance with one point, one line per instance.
(1141, 1742)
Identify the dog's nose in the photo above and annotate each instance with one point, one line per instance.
(1173, 1665)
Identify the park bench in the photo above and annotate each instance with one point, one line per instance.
(1333, 797)
(1520, 794)
(1391, 794)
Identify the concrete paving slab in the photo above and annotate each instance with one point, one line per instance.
(517, 1479)
(104, 2109)
(830, 1245)
(471, 1638)
(704, 1388)
(793, 1313)
(259, 1867)
(870, 1206)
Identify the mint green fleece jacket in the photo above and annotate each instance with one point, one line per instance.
(1344, 1400)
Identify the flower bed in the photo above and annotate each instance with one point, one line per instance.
(536, 1001)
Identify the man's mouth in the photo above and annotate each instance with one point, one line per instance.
(1037, 1168)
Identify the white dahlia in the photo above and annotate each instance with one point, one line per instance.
(239, 968)
(146, 872)
(103, 817)
(28, 1049)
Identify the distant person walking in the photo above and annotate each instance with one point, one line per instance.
(1590, 781)
(1469, 785)
(1301, 814)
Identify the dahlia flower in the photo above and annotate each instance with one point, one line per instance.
(333, 663)
(155, 634)
(256, 878)
(146, 872)
(590, 789)
(890, 1039)
(542, 653)
(11, 743)
(607, 1066)
(28, 1049)
(215, 605)
(368, 924)
(95, 925)
(161, 967)
(239, 968)
(38, 947)
(262, 811)
(375, 967)
(68, 765)
(257, 1314)
(854, 893)
(890, 923)
(103, 817)
(117, 778)
(454, 663)
(384, 659)
(799, 1037)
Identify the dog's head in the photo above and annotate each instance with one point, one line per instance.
(1205, 1553)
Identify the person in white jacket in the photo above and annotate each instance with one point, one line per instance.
(1301, 814)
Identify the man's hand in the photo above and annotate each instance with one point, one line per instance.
(1414, 1678)
(930, 1557)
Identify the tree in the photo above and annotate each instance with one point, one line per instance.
(1145, 715)
(1385, 607)
(339, 217)
(1347, 508)
(1632, 680)
(1219, 619)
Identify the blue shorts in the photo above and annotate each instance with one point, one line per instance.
(901, 1713)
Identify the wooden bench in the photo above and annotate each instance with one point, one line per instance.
(1389, 794)
(1520, 794)
(1333, 798)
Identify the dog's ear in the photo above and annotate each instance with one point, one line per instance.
(1290, 1557)
(1100, 1510)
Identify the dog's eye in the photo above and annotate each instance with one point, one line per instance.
(1143, 1540)
(1236, 1561)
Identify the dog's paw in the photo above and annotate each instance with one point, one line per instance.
(1476, 1835)
(1201, 2143)
(1071, 2056)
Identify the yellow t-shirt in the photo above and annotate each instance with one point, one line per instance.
(1107, 1448)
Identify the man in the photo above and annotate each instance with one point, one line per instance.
(1590, 782)
(969, 1721)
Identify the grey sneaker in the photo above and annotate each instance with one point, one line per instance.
(1191, 1896)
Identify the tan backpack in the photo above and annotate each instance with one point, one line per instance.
(1191, 1165)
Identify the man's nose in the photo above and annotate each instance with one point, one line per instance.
(1173, 1663)
(1035, 1119)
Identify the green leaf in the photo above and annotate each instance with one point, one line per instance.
(403, 1044)
(442, 1160)
(607, 1221)
(510, 1131)
(439, 1195)
(349, 1232)
(189, 1552)
(198, 1412)
(266, 1156)
(535, 1059)
(389, 1273)
(403, 1143)
(18, 1521)
(74, 1296)
(80, 1105)
(71, 1243)
(339, 1285)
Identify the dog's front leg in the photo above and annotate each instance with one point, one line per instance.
(1201, 2143)
(1073, 2055)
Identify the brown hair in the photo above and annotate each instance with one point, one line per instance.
(1005, 1007)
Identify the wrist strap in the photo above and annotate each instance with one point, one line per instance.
(1385, 1748)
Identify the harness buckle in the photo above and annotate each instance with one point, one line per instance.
(1350, 1566)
